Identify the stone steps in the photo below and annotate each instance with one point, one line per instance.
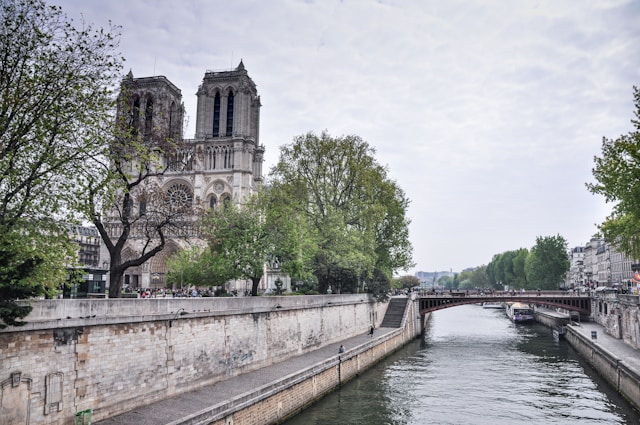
(395, 311)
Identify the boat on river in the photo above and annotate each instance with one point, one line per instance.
(493, 304)
(520, 312)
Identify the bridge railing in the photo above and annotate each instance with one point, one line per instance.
(499, 294)
(553, 299)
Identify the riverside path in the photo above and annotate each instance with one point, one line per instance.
(224, 395)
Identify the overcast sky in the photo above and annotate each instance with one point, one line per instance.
(487, 113)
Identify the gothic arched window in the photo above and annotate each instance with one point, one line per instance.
(128, 207)
(227, 157)
(212, 202)
(135, 116)
(230, 114)
(148, 118)
(210, 158)
(216, 115)
(173, 121)
(226, 201)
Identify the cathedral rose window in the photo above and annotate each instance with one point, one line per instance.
(179, 196)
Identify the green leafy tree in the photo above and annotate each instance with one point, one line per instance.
(519, 273)
(467, 280)
(445, 282)
(547, 262)
(356, 213)
(479, 278)
(492, 274)
(505, 265)
(344, 280)
(191, 267)
(456, 281)
(30, 265)
(617, 173)
(496, 271)
(507, 268)
(465, 283)
(264, 229)
(55, 103)
(294, 240)
(406, 282)
(379, 285)
(239, 241)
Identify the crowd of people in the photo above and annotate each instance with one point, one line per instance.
(180, 293)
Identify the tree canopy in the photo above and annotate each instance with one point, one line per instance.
(542, 267)
(476, 278)
(56, 100)
(507, 268)
(239, 241)
(192, 267)
(406, 282)
(617, 174)
(547, 263)
(357, 213)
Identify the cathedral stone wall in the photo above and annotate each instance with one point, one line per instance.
(222, 163)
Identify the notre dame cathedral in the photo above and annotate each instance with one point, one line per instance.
(223, 163)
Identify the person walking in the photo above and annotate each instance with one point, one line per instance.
(371, 331)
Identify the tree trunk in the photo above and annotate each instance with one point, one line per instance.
(255, 281)
(116, 274)
(323, 284)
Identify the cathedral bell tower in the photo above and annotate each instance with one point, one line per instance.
(228, 106)
(151, 107)
(227, 129)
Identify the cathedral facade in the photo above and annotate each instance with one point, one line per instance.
(222, 163)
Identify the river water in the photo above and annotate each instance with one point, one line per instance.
(474, 366)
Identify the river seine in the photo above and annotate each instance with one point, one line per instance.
(474, 366)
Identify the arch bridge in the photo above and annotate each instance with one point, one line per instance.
(572, 302)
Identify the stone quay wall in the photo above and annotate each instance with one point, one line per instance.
(112, 356)
(620, 316)
(291, 394)
(551, 319)
(616, 373)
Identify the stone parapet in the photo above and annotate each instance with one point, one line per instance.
(49, 314)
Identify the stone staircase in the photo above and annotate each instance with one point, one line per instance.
(395, 311)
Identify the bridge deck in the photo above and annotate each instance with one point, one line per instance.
(572, 302)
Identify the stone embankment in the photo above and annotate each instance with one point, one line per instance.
(111, 357)
(614, 359)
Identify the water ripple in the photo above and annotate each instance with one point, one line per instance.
(475, 367)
